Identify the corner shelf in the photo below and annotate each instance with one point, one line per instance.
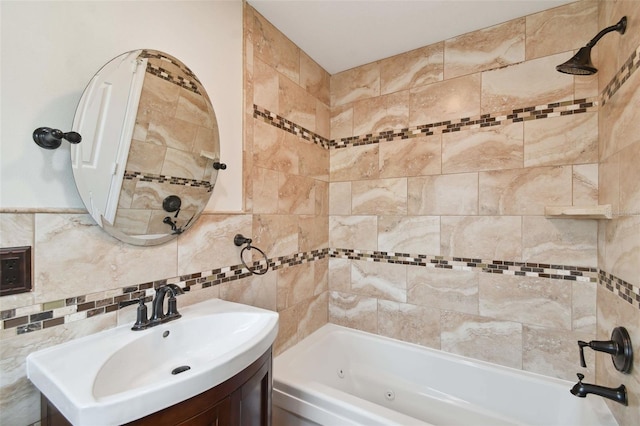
(579, 212)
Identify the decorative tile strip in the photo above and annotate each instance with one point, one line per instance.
(289, 126)
(167, 75)
(150, 177)
(528, 269)
(50, 314)
(629, 67)
(538, 112)
(620, 287)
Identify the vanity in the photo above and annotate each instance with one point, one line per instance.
(211, 366)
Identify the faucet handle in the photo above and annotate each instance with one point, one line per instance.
(581, 345)
(580, 377)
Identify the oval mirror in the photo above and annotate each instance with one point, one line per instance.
(150, 149)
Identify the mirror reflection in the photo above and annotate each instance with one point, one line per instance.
(145, 169)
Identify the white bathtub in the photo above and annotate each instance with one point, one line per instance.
(339, 376)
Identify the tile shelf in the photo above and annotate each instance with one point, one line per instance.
(579, 212)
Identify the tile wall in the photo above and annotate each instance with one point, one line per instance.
(404, 197)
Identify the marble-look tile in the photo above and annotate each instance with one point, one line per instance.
(184, 164)
(296, 105)
(287, 330)
(18, 396)
(609, 182)
(322, 198)
(485, 49)
(615, 312)
(630, 180)
(353, 163)
(443, 194)
(145, 157)
(380, 280)
(265, 86)
(312, 314)
(484, 237)
(559, 241)
(276, 235)
(295, 284)
(195, 108)
(569, 139)
(559, 29)
(16, 229)
(323, 120)
(493, 148)
(622, 248)
(536, 301)
(446, 289)
(449, 99)
(313, 233)
(265, 193)
(340, 198)
(619, 124)
(275, 149)
(382, 113)
(379, 196)
(149, 195)
(209, 244)
(585, 184)
(296, 194)
(339, 275)
(409, 323)
(554, 352)
(524, 191)
(410, 157)
(342, 122)
(172, 132)
(409, 234)
(353, 311)
(314, 79)
(482, 338)
(357, 232)
(313, 160)
(583, 303)
(92, 260)
(275, 49)
(534, 82)
(256, 290)
(133, 221)
(158, 96)
(414, 68)
(186, 299)
(321, 275)
(362, 82)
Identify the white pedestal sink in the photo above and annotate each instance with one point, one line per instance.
(120, 375)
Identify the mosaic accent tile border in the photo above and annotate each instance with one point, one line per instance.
(525, 269)
(171, 180)
(538, 112)
(167, 75)
(620, 288)
(50, 314)
(289, 126)
(629, 67)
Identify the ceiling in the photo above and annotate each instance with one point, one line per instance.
(342, 34)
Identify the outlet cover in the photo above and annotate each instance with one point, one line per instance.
(15, 270)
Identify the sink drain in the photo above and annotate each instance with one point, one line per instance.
(180, 369)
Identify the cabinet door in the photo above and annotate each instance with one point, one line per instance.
(217, 415)
(255, 398)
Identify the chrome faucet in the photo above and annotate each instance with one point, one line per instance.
(581, 390)
(158, 316)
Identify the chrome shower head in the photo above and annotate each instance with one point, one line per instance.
(581, 63)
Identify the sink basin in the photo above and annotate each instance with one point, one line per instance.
(120, 375)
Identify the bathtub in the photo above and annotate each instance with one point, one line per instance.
(339, 376)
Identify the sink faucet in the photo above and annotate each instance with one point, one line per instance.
(158, 316)
(581, 390)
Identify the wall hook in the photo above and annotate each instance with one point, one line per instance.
(49, 138)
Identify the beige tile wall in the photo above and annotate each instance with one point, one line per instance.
(477, 193)
(619, 156)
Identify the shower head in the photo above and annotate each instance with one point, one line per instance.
(581, 63)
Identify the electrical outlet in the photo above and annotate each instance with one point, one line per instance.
(15, 270)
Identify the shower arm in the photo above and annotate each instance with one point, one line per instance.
(621, 26)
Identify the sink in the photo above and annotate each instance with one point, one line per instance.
(120, 375)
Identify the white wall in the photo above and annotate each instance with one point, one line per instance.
(50, 50)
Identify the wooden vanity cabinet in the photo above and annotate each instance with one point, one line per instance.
(243, 400)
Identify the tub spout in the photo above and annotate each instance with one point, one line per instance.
(581, 390)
